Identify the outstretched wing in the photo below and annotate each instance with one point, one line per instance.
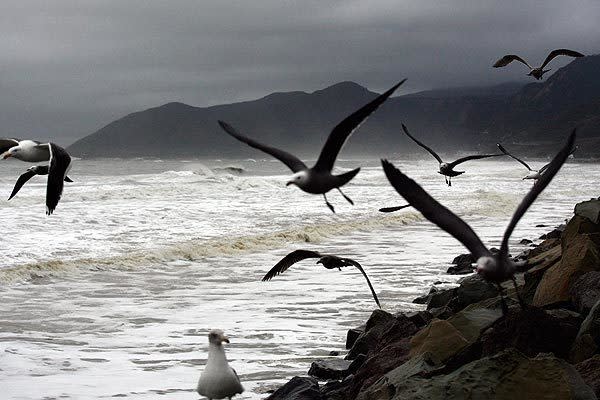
(547, 165)
(362, 271)
(469, 158)
(561, 52)
(392, 209)
(344, 129)
(288, 261)
(434, 211)
(433, 153)
(290, 160)
(30, 173)
(507, 59)
(60, 162)
(539, 186)
(502, 149)
(7, 143)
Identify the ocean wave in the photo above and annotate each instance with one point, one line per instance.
(197, 249)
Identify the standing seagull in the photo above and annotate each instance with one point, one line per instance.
(447, 169)
(218, 380)
(534, 174)
(538, 72)
(318, 179)
(30, 173)
(59, 163)
(328, 261)
(494, 268)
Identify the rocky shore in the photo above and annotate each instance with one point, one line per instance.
(463, 347)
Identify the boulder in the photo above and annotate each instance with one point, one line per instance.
(508, 375)
(578, 226)
(542, 247)
(589, 209)
(440, 298)
(440, 339)
(467, 258)
(553, 234)
(298, 388)
(419, 318)
(471, 289)
(587, 341)
(352, 335)
(526, 241)
(332, 368)
(532, 331)
(540, 263)
(585, 291)
(444, 312)
(590, 372)
(460, 269)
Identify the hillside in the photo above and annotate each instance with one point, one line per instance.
(535, 116)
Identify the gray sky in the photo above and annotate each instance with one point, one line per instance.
(69, 67)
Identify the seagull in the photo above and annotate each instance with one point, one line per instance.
(447, 169)
(495, 268)
(534, 174)
(59, 164)
(538, 71)
(328, 261)
(218, 380)
(319, 179)
(30, 173)
(392, 209)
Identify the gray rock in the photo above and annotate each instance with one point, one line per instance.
(331, 368)
(352, 335)
(590, 372)
(589, 209)
(585, 291)
(587, 341)
(298, 388)
(472, 289)
(440, 298)
(525, 241)
(464, 259)
(419, 318)
(460, 269)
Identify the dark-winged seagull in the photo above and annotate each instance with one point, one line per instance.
(393, 209)
(218, 380)
(319, 179)
(30, 173)
(494, 268)
(447, 169)
(537, 72)
(59, 164)
(534, 174)
(328, 261)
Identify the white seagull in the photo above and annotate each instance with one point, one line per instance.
(218, 380)
(534, 174)
(319, 179)
(537, 72)
(495, 268)
(447, 169)
(59, 164)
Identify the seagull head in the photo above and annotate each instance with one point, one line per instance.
(298, 179)
(11, 152)
(217, 337)
(486, 265)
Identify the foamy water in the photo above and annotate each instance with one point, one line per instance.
(112, 297)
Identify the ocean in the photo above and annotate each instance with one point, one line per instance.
(114, 294)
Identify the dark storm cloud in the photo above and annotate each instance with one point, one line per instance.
(69, 67)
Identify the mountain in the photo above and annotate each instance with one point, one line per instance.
(534, 116)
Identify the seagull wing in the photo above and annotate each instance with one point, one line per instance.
(7, 143)
(469, 158)
(290, 160)
(392, 209)
(560, 52)
(539, 186)
(30, 173)
(502, 149)
(433, 153)
(362, 271)
(288, 261)
(344, 129)
(547, 165)
(434, 211)
(507, 59)
(60, 162)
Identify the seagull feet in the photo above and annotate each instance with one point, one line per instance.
(329, 204)
(521, 301)
(346, 197)
(502, 300)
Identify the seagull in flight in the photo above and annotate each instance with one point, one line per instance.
(537, 72)
(59, 164)
(447, 169)
(319, 179)
(30, 173)
(327, 260)
(495, 268)
(534, 174)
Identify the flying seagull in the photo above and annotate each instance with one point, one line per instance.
(59, 163)
(538, 71)
(218, 380)
(328, 261)
(30, 173)
(447, 169)
(495, 268)
(319, 179)
(392, 209)
(534, 174)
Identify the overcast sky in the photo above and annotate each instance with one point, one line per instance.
(69, 67)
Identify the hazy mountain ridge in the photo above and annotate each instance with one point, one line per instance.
(453, 119)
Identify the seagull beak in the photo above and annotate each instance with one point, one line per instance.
(289, 183)
(224, 339)
(6, 155)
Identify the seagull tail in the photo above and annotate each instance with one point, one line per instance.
(346, 177)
